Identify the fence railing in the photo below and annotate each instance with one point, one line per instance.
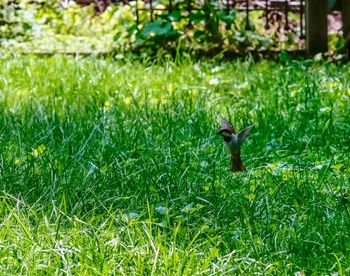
(311, 14)
(269, 7)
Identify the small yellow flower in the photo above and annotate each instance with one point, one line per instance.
(127, 100)
(20, 160)
(337, 166)
(250, 196)
(107, 104)
(39, 150)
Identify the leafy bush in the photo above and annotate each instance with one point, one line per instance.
(48, 27)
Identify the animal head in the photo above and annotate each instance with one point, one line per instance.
(228, 132)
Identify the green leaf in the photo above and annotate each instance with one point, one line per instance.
(132, 29)
(26, 26)
(199, 33)
(175, 16)
(228, 18)
(117, 36)
(196, 17)
(157, 29)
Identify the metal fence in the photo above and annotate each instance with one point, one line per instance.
(273, 10)
(306, 19)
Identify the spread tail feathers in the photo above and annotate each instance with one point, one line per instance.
(236, 163)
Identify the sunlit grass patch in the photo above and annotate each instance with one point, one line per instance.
(116, 167)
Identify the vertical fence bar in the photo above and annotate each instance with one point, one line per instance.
(345, 14)
(247, 26)
(286, 13)
(301, 14)
(151, 9)
(189, 8)
(137, 14)
(267, 26)
(170, 6)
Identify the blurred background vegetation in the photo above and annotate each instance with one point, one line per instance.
(54, 26)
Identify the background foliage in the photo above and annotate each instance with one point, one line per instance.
(45, 26)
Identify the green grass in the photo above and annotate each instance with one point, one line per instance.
(115, 168)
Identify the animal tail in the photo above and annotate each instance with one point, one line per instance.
(236, 163)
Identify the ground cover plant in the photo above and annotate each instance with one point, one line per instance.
(115, 167)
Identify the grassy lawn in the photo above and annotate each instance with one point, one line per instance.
(109, 167)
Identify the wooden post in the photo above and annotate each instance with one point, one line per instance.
(316, 27)
(345, 14)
